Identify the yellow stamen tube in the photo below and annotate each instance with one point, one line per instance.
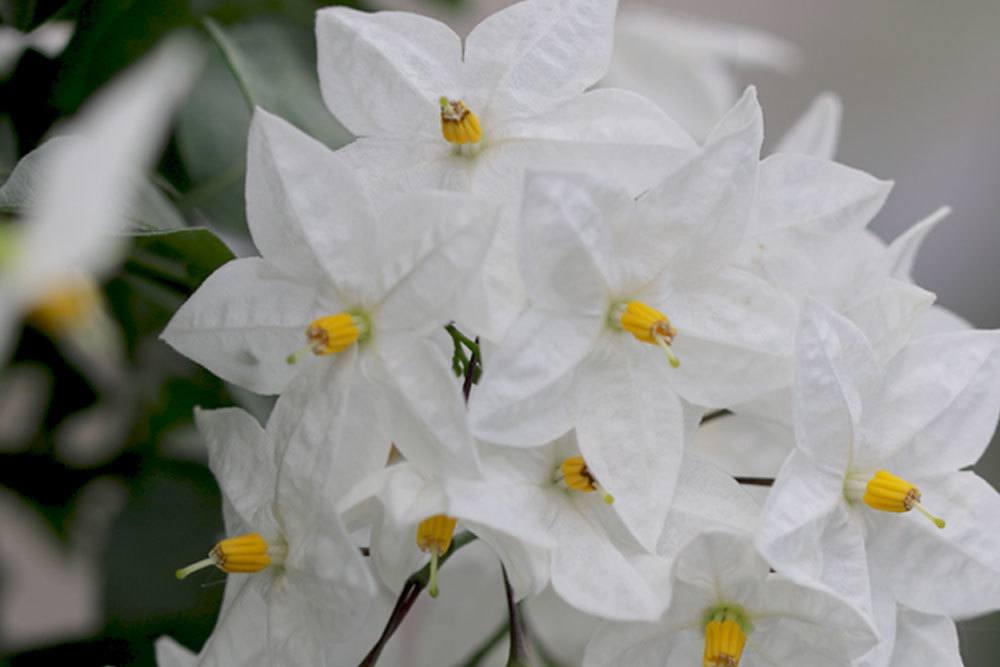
(434, 537)
(331, 334)
(888, 493)
(245, 553)
(458, 124)
(724, 642)
(651, 326)
(66, 307)
(576, 476)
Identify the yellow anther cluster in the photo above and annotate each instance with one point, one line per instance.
(332, 334)
(244, 553)
(649, 325)
(434, 534)
(458, 124)
(573, 472)
(66, 307)
(888, 493)
(724, 642)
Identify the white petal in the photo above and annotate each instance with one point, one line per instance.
(724, 562)
(734, 336)
(170, 653)
(244, 321)
(939, 407)
(382, 74)
(522, 511)
(388, 164)
(924, 639)
(787, 641)
(807, 534)
(955, 570)
(241, 457)
(85, 195)
(887, 312)
(902, 252)
(884, 606)
(305, 207)
(589, 573)
(695, 219)
(565, 242)
(938, 320)
(631, 433)
(428, 419)
(835, 376)
(241, 632)
(537, 54)
(521, 399)
(434, 242)
(744, 445)
(815, 195)
(817, 131)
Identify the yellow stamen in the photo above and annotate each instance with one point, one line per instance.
(245, 553)
(434, 537)
(67, 307)
(725, 637)
(651, 326)
(573, 472)
(331, 334)
(888, 493)
(458, 124)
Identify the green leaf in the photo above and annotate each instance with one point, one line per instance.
(180, 258)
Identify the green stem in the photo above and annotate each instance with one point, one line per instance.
(487, 646)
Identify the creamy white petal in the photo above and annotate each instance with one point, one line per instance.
(521, 399)
(924, 639)
(953, 571)
(939, 405)
(244, 321)
(817, 131)
(306, 208)
(902, 252)
(537, 54)
(241, 457)
(814, 195)
(382, 74)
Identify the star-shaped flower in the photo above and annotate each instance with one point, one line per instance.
(727, 610)
(873, 444)
(360, 284)
(613, 284)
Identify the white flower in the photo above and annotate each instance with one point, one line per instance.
(871, 438)
(82, 187)
(726, 606)
(548, 498)
(299, 581)
(361, 285)
(48, 39)
(686, 65)
(817, 131)
(432, 112)
(613, 283)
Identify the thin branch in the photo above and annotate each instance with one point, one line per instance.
(715, 414)
(412, 589)
(755, 481)
(518, 638)
(487, 646)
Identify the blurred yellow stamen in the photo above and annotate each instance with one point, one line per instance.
(458, 124)
(649, 325)
(67, 307)
(573, 472)
(245, 553)
(434, 537)
(888, 493)
(332, 334)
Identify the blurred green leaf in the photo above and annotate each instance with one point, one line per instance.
(179, 258)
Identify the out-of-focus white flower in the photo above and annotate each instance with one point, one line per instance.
(817, 131)
(432, 112)
(49, 260)
(300, 583)
(686, 65)
(614, 283)
(361, 284)
(727, 610)
(874, 442)
(49, 39)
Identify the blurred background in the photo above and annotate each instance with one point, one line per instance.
(103, 492)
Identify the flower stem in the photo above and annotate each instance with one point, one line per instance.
(414, 585)
(755, 481)
(518, 656)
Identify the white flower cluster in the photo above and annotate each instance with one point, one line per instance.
(645, 328)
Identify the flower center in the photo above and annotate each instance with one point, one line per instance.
(334, 333)
(575, 476)
(646, 324)
(434, 537)
(886, 492)
(459, 125)
(66, 307)
(726, 628)
(245, 553)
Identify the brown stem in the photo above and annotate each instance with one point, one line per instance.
(755, 481)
